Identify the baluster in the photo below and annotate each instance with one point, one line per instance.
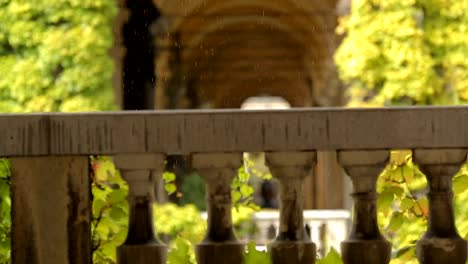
(292, 245)
(220, 244)
(142, 245)
(441, 243)
(365, 244)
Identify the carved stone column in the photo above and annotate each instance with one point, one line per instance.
(365, 244)
(142, 245)
(441, 243)
(292, 245)
(220, 244)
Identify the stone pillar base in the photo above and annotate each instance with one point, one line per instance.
(366, 251)
(142, 254)
(292, 252)
(220, 252)
(442, 250)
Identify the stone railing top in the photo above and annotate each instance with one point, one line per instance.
(202, 131)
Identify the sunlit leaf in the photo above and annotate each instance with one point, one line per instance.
(169, 176)
(407, 173)
(181, 253)
(460, 183)
(421, 207)
(236, 196)
(246, 190)
(333, 257)
(405, 252)
(253, 256)
(396, 221)
(98, 204)
(117, 196)
(407, 203)
(117, 213)
(385, 200)
(170, 188)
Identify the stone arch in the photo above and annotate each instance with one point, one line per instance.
(200, 31)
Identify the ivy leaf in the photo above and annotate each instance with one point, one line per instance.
(396, 190)
(396, 221)
(385, 200)
(397, 174)
(460, 184)
(253, 256)
(170, 188)
(236, 196)
(117, 213)
(181, 252)
(117, 196)
(407, 173)
(407, 203)
(98, 204)
(333, 257)
(424, 204)
(246, 190)
(400, 157)
(168, 177)
(421, 207)
(242, 174)
(405, 251)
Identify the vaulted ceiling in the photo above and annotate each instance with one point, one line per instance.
(224, 51)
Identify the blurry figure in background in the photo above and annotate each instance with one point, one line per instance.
(269, 193)
(266, 194)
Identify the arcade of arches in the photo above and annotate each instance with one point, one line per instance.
(218, 53)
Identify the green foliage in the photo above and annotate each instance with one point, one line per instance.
(193, 191)
(109, 208)
(241, 190)
(184, 221)
(410, 52)
(5, 218)
(169, 182)
(253, 256)
(403, 207)
(333, 257)
(54, 55)
(182, 252)
(405, 52)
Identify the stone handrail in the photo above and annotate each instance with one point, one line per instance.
(204, 131)
(50, 180)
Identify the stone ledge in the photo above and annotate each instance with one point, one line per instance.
(202, 131)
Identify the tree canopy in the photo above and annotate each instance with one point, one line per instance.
(54, 55)
(408, 52)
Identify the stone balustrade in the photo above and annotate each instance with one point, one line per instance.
(50, 181)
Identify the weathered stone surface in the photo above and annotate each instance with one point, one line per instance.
(292, 245)
(441, 243)
(227, 252)
(50, 212)
(142, 254)
(185, 132)
(220, 244)
(365, 244)
(142, 244)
